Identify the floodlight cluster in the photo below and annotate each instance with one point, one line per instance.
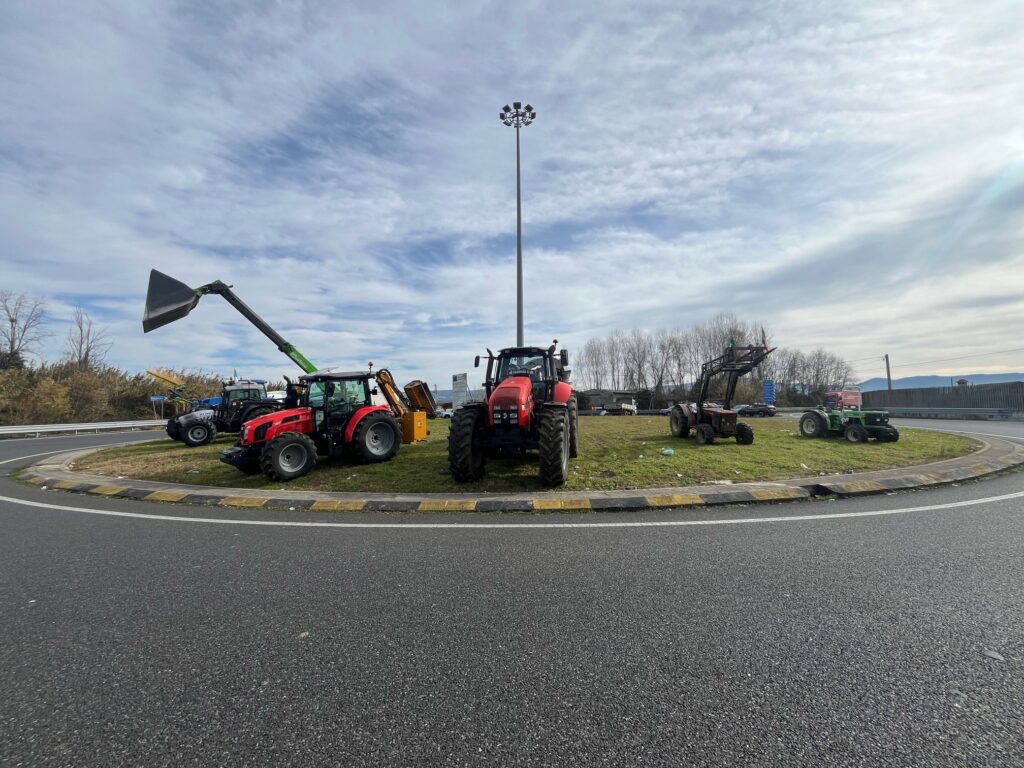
(517, 115)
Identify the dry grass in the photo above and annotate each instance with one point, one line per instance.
(616, 453)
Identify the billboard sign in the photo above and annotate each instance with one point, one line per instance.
(460, 389)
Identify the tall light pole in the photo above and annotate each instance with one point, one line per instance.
(517, 116)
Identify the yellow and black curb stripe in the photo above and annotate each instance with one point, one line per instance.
(656, 499)
(539, 504)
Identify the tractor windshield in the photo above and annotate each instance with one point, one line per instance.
(531, 365)
(235, 395)
(344, 392)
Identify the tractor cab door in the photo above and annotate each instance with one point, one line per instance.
(341, 400)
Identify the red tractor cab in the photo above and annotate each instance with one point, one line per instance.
(529, 405)
(336, 417)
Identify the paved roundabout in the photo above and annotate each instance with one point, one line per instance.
(883, 629)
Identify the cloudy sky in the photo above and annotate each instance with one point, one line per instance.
(851, 174)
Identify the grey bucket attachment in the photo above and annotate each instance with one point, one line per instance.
(167, 300)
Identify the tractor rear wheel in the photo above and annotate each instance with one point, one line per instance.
(376, 438)
(287, 456)
(554, 446)
(812, 425)
(705, 434)
(855, 433)
(678, 422)
(744, 434)
(467, 459)
(199, 433)
(574, 430)
(174, 429)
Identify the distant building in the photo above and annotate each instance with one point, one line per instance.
(611, 400)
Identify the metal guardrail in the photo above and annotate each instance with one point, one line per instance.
(983, 414)
(38, 429)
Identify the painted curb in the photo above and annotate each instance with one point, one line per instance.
(996, 455)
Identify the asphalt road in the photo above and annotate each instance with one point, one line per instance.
(893, 639)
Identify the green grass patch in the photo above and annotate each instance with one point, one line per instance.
(615, 453)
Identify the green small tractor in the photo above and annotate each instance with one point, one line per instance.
(837, 417)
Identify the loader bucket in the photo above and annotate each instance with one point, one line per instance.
(167, 300)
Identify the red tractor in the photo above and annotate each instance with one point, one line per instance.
(709, 420)
(529, 404)
(336, 417)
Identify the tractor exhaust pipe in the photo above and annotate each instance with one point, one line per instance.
(167, 300)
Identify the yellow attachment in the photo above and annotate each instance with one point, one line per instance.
(414, 426)
(165, 377)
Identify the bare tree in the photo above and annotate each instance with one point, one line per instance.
(21, 327)
(87, 345)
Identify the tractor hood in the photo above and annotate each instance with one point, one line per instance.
(513, 392)
(265, 427)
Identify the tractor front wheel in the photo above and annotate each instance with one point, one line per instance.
(574, 428)
(855, 433)
(199, 433)
(744, 434)
(467, 459)
(554, 446)
(287, 456)
(812, 425)
(377, 438)
(174, 429)
(705, 434)
(678, 422)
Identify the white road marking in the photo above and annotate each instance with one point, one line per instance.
(515, 526)
(68, 450)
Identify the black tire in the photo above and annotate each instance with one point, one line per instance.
(705, 434)
(894, 436)
(174, 429)
(198, 433)
(376, 438)
(678, 422)
(574, 428)
(812, 425)
(744, 434)
(855, 433)
(553, 446)
(287, 456)
(467, 459)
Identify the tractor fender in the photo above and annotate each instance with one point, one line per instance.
(191, 418)
(563, 392)
(358, 416)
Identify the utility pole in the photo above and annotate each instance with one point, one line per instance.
(518, 117)
(888, 373)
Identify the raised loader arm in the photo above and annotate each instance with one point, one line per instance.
(168, 300)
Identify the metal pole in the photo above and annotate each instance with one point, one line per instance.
(888, 375)
(519, 250)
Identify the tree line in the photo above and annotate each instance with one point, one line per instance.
(664, 365)
(80, 387)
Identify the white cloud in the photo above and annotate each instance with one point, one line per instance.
(345, 169)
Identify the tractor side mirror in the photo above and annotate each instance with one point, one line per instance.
(476, 361)
(564, 357)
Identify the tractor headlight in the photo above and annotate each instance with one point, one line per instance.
(245, 432)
